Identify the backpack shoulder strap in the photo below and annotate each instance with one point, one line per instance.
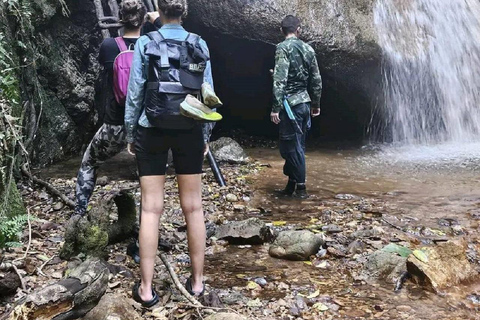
(163, 50)
(193, 38)
(155, 36)
(122, 46)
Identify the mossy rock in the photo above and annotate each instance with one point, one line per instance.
(91, 235)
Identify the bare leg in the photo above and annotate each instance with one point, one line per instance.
(152, 188)
(190, 189)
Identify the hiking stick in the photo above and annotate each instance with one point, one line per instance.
(216, 169)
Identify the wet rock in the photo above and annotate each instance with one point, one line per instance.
(373, 233)
(232, 298)
(113, 306)
(260, 281)
(9, 284)
(231, 197)
(384, 265)
(458, 230)
(228, 150)
(211, 228)
(239, 207)
(355, 247)
(474, 298)
(250, 231)
(336, 252)
(442, 266)
(103, 181)
(404, 308)
(447, 222)
(475, 214)
(346, 196)
(331, 228)
(295, 245)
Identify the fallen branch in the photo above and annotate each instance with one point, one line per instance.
(175, 279)
(50, 188)
(24, 287)
(39, 270)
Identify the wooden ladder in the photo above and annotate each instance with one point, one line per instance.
(113, 20)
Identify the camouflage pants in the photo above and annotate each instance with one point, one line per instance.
(107, 142)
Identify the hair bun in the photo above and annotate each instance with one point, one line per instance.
(132, 13)
(174, 8)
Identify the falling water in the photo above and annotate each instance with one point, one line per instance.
(431, 70)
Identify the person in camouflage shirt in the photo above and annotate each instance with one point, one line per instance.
(297, 79)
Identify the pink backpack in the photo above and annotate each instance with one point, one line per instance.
(121, 71)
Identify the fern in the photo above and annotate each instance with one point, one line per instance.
(10, 230)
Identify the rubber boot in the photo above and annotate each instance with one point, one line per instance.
(301, 191)
(134, 251)
(289, 189)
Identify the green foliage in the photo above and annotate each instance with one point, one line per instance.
(10, 230)
(9, 87)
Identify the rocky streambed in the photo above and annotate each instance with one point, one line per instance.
(372, 242)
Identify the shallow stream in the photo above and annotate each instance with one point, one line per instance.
(417, 188)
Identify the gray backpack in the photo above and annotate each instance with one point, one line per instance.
(176, 69)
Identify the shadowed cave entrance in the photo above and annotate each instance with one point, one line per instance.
(243, 82)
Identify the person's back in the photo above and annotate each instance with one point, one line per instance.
(297, 88)
(110, 138)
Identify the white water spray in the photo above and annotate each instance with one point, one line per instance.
(431, 70)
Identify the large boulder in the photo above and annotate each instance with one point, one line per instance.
(442, 266)
(228, 150)
(113, 307)
(250, 231)
(295, 245)
(242, 36)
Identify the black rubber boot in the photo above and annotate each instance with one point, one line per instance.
(134, 251)
(289, 189)
(301, 192)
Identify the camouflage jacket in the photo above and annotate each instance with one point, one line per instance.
(296, 75)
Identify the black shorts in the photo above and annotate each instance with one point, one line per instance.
(152, 145)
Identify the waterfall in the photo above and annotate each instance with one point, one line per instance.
(431, 71)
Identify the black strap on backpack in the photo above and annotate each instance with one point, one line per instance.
(163, 53)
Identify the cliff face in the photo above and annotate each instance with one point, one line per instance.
(61, 84)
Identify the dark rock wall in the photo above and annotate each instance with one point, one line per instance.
(62, 82)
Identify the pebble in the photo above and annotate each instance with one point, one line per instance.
(232, 198)
(103, 181)
(332, 228)
(345, 196)
(260, 281)
(58, 206)
(239, 207)
(474, 298)
(404, 308)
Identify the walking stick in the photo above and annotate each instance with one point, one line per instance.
(216, 169)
